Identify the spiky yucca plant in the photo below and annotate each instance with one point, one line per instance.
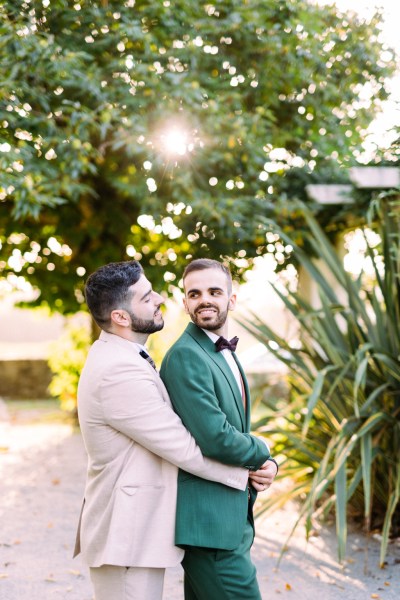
(340, 430)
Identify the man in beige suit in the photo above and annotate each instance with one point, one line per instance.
(135, 444)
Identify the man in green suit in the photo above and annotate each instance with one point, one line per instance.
(210, 393)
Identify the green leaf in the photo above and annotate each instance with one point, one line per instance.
(366, 462)
(391, 507)
(341, 501)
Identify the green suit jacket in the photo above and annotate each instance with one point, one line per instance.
(204, 393)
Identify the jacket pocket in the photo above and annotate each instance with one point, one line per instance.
(129, 489)
(132, 490)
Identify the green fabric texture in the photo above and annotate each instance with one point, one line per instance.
(221, 574)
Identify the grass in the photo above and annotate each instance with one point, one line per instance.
(46, 410)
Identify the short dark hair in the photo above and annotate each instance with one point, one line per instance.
(108, 289)
(199, 264)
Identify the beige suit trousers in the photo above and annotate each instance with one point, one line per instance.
(127, 583)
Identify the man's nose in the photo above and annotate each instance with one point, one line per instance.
(158, 298)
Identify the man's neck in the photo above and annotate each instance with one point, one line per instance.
(131, 336)
(222, 331)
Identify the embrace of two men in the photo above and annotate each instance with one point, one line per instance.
(173, 471)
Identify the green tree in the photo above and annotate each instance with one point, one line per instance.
(91, 91)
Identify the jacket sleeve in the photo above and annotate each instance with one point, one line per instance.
(191, 386)
(133, 406)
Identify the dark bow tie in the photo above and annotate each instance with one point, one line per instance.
(222, 343)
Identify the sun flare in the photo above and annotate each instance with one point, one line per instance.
(174, 141)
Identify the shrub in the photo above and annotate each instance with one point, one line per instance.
(340, 430)
(67, 357)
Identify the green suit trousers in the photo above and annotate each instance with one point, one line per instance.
(212, 574)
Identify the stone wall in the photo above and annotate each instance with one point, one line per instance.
(24, 379)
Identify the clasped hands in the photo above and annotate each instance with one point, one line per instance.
(262, 479)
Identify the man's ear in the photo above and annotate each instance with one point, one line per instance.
(185, 306)
(232, 302)
(120, 318)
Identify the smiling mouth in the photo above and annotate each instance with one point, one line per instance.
(205, 312)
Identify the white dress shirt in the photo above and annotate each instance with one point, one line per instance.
(227, 354)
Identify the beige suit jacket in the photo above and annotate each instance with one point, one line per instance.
(135, 444)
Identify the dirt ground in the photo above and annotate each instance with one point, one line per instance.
(42, 473)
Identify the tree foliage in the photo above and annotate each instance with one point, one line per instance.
(91, 91)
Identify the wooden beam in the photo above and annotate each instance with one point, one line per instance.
(325, 193)
(375, 177)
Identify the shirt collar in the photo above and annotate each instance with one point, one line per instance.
(213, 336)
(140, 347)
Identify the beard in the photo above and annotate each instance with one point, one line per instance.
(209, 323)
(145, 325)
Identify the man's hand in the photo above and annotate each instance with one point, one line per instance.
(262, 479)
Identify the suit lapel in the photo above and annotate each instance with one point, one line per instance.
(246, 391)
(208, 346)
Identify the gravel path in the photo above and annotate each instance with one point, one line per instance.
(42, 472)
